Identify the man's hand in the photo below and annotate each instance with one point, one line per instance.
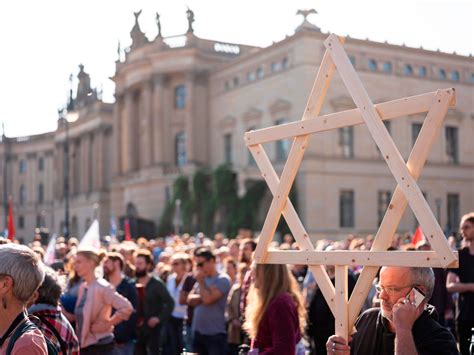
(337, 345)
(405, 313)
(153, 322)
(199, 276)
(102, 326)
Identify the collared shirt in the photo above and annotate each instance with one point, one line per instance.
(54, 316)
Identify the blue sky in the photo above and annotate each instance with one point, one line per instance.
(44, 42)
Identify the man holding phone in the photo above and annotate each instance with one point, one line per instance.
(404, 324)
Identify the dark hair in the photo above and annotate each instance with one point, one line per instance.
(146, 254)
(468, 218)
(205, 253)
(50, 290)
(114, 256)
(249, 241)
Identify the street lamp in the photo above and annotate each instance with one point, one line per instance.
(177, 217)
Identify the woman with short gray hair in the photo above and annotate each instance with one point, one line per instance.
(21, 273)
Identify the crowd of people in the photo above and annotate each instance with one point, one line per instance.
(194, 294)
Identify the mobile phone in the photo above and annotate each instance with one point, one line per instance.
(419, 295)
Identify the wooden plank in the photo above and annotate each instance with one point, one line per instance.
(432, 125)
(341, 317)
(313, 106)
(387, 111)
(389, 151)
(294, 223)
(357, 258)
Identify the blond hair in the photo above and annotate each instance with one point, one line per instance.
(274, 281)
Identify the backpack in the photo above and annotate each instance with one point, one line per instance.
(28, 325)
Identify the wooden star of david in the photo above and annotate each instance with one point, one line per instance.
(406, 174)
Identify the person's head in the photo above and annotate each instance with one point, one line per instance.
(178, 263)
(205, 261)
(270, 281)
(49, 291)
(467, 227)
(234, 248)
(113, 263)
(248, 246)
(397, 282)
(21, 273)
(218, 240)
(87, 260)
(231, 268)
(143, 262)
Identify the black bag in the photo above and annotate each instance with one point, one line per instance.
(25, 326)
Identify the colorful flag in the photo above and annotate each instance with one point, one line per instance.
(113, 228)
(92, 237)
(418, 236)
(128, 235)
(11, 224)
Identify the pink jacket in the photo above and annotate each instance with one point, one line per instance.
(101, 298)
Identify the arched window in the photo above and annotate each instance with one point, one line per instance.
(442, 74)
(408, 70)
(387, 67)
(455, 75)
(422, 71)
(372, 65)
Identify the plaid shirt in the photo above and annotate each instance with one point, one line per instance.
(55, 317)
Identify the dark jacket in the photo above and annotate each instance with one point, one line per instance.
(374, 337)
(126, 331)
(157, 301)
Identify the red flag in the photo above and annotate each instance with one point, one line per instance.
(418, 236)
(11, 224)
(128, 235)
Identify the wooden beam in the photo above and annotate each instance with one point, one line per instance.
(341, 317)
(390, 152)
(358, 258)
(313, 106)
(387, 111)
(430, 130)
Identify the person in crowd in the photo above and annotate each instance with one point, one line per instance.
(209, 299)
(44, 306)
(188, 286)
(174, 340)
(155, 307)
(73, 282)
(231, 269)
(398, 326)
(234, 324)
(21, 273)
(96, 299)
(461, 280)
(275, 316)
(125, 333)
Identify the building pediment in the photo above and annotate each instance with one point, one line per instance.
(279, 106)
(227, 123)
(253, 116)
(342, 102)
(454, 114)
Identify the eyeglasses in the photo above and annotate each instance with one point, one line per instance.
(201, 264)
(390, 290)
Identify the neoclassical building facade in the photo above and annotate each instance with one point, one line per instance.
(184, 102)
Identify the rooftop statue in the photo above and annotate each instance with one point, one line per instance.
(190, 15)
(158, 24)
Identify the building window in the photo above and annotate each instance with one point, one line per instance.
(415, 131)
(346, 209)
(21, 222)
(353, 60)
(40, 193)
(282, 146)
(235, 81)
(228, 148)
(260, 73)
(372, 65)
(285, 63)
(41, 164)
(452, 144)
(408, 70)
(472, 78)
(453, 212)
(383, 201)
(422, 72)
(387, 67)
(22, 166)
(346, 141)
(22, 194)
(251, 76)
(442, 74)
(180, 97)
(455, 75)
(276, 66)
(180, 149)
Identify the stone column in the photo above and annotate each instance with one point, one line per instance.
(159, 127)
(190, 120)
(99, 158)
(145, 125)
(117, 135)
(127, 142)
